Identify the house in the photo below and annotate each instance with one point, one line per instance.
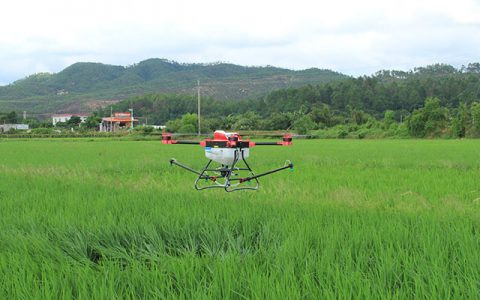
(62, 118)
(8, 127)
(119, 121)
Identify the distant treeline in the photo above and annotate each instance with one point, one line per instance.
(437, 100)
(432, 101)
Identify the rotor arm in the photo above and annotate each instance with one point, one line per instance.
(246, 179)
(286, 141)
(201, 175)
(167, 139)
(188, 142)
(268, 143)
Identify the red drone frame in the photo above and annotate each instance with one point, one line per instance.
(227, 149)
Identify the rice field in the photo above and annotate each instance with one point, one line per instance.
(105, 219)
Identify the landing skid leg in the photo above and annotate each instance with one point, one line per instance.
(228, 174)
(233, 187)
(203, 175)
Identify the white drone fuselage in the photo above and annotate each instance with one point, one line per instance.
(225, 156)
(219, 152)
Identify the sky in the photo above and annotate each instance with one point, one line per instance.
(353, 37)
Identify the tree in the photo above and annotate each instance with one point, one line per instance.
(429, 120)
(459, 123)
(475, 115)
(303, 125)
(278, 121)
(211, 124)
(187, 128)
(472, 68)
(357, 117)
(174, 125)
(92, 121)
(228, 122)
(146, 129)
(74, 120)
(248, 121)
(435, 115)
(389, 118)
(190, 121)
(10, 118)
(32, 122)
(323, 116)
(416, 123)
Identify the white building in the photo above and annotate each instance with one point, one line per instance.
(7, 127)
(62, 118)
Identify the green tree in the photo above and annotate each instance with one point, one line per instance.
(228, 122)
(429, 120)
(357, 117)
(459, 122)
(278, 121)
(189, 121)
(187, 128)
(416, 123)
(10, 118)
(174, 125)
(211, 124)
(322, 115)
(92, 121)
(74, 121)
(475, 115)
(388, 118)
(436, 116)
(303, 124)
(248, 121)
(32, 122)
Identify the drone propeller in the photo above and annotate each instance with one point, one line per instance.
(230, 142)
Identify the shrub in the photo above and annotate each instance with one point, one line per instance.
(187, 128)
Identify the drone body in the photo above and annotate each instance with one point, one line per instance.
(229, 152)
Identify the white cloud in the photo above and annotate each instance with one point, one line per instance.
(355, 37)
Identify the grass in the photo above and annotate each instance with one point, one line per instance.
(96, 219)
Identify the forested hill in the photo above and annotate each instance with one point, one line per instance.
(83, 87)
(385, 90)
(397, 91)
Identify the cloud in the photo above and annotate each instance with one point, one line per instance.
(355, 37)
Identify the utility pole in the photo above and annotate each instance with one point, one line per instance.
(111, 119)
(24, 114)
(131, 115)
(198, 96)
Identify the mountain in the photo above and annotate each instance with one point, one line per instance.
(83, 87)
(445, 92)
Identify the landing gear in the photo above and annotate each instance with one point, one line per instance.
(235, 177)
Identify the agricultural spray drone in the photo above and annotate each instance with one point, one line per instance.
(228, 151)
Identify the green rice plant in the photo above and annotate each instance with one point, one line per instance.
(104, 218)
